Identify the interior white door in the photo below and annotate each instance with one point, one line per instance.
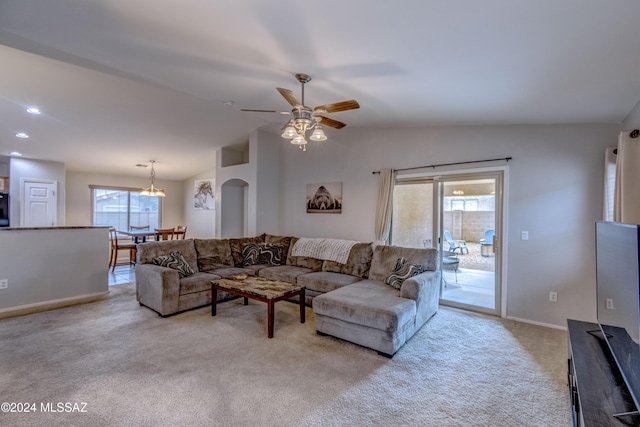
(39, 203)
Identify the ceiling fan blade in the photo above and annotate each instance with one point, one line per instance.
(331, 122)
(289, 96)
(267, 111)
(351, 104)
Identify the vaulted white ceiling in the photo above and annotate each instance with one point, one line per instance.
(121, 82)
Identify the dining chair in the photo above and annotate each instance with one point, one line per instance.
(139, 227)
(181, 232)
(117, 246)
(164, 233)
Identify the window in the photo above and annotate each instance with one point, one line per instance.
(460, 204)
(123, 207)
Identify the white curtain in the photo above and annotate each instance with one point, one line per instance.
(386, 181)
(609, 183)
(627, 194)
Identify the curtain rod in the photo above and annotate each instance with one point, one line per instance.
(449, 164)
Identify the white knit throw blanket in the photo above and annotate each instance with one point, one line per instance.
(330, 249)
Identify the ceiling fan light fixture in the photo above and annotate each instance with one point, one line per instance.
(152, 190)
(300, 142)
(305, 119)
(318, 135)
(289, 132)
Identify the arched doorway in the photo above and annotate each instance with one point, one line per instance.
(234, 208)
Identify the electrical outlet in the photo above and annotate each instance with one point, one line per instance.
(524, 235)
(553, 296)
(609, 304)
(4, 283)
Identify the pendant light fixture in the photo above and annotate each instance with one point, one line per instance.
(152, 190)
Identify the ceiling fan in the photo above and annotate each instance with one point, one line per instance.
(304, 119)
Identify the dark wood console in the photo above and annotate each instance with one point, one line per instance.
(596, 388)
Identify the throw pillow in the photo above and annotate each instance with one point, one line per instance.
(401, 272)
(176, 261)
(237, 244)
(262, 253)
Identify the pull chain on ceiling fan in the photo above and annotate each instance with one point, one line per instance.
(304, 119)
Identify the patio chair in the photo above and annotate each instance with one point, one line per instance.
(455, 245)
(486, 244)
(450, 261)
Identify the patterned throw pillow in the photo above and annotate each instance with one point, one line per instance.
(176, 261)
(401, 272)
(262, 253)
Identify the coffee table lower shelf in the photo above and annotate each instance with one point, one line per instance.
(257, 289)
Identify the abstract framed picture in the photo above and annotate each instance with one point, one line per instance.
(203, 194)
(324, 198)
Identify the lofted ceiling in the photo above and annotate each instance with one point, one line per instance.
(121, 82)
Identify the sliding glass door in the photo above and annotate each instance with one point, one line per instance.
(460, 215)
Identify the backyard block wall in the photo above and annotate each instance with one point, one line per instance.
(474, 224)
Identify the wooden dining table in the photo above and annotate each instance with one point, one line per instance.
(141, 235)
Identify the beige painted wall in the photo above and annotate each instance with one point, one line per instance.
(633, 119)
(555, 193)
(201, 223)
(78, 196)
(36, 276)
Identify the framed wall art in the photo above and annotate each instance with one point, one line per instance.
(203, 194)
(324, 198)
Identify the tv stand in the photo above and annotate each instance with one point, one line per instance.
(597, 392)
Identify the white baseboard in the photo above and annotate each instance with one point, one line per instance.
(50, 305)
(533, 322)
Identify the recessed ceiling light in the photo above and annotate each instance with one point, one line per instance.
(15, 153)
(228, 103)
(33, 110)
(22, 135)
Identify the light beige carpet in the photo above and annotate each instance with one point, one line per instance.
(132, 367)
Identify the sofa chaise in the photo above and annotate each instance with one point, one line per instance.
(371, 299)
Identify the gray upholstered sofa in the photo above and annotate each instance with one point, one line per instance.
(350, 300)
(376, 315)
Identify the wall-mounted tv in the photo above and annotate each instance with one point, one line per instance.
(618, 297)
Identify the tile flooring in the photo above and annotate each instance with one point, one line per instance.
(122, 274)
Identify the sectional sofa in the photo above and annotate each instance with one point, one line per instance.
(378, 298)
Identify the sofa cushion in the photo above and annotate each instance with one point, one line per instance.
(368, 303)
(302, 261)
(146, 252)
(285, 241)
(325, 281)
(286, 273)
(237, 244)
(358, 264)
(262, 253)
(213, 254)
(401, 272)
(176, 261)
(385, 257)
(197, 282)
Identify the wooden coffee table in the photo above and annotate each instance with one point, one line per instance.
(259, 289)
